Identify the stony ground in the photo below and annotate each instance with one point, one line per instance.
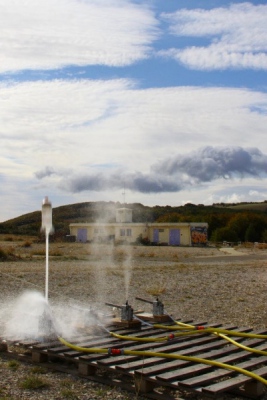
(202, 284)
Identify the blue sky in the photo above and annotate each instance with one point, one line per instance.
(166, 100)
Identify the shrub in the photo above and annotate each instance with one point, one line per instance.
(3, 255)
(8, 254)
(142, 241)
(67, 391)
(26, 244)
(8, 239)
(156, 290)
(68, 394)
(39, 252)
(13, 364)
(33, 383)
(38, 370)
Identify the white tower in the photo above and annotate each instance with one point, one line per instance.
(124, 215)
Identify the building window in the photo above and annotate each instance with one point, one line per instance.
(128, 232)
(122, 232)
(161, 230)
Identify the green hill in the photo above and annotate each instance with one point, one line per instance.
(30, 224)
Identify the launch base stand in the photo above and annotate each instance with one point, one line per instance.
(158, 315)
(154, 318)
(133, 324)
(126, 320)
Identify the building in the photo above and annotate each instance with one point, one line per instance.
(126, 231)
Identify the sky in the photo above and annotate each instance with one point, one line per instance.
(137, 101)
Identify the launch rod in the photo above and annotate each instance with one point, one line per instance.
(144, 300)
(113, 305)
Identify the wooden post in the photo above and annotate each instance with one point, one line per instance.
(86, 369)
(142, 385)
(38, 357)
(3, 347)
(254, 389)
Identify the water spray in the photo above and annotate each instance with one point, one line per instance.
(47, 227)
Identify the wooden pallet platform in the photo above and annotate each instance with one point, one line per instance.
(147, 374)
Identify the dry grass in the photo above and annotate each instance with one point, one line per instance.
(156, 290)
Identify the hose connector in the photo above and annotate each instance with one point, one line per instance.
(171, 336)
(115, 352)
(200, 327)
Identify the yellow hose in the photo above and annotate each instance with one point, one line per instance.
(195, 330)
(138, 339)
(165, 355)
(242, 346)
(215, 331)
(82, 349)
(225, 337)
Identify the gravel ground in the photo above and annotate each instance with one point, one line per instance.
(201, 284)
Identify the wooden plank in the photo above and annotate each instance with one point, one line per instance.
(117, 343)
(45, 345)
(203, 341)
(167, 370)
(198, 368)
(236, 355)
(27, 343)
(167, 347)
(107, 341)
(157, 371)
(220, 373)
(229, 384)
(149, 372)
(130, 367)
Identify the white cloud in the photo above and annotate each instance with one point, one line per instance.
(84, 128)
(237, 35)
(237, 190)
(52, 34)
(86, 123)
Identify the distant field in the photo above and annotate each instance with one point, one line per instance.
(250, 206)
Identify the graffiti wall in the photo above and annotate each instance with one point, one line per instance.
(199, 235)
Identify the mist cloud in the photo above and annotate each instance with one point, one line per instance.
(170, 175)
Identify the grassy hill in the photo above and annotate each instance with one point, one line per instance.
(30, 224)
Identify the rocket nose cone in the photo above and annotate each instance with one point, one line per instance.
(46, 200)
